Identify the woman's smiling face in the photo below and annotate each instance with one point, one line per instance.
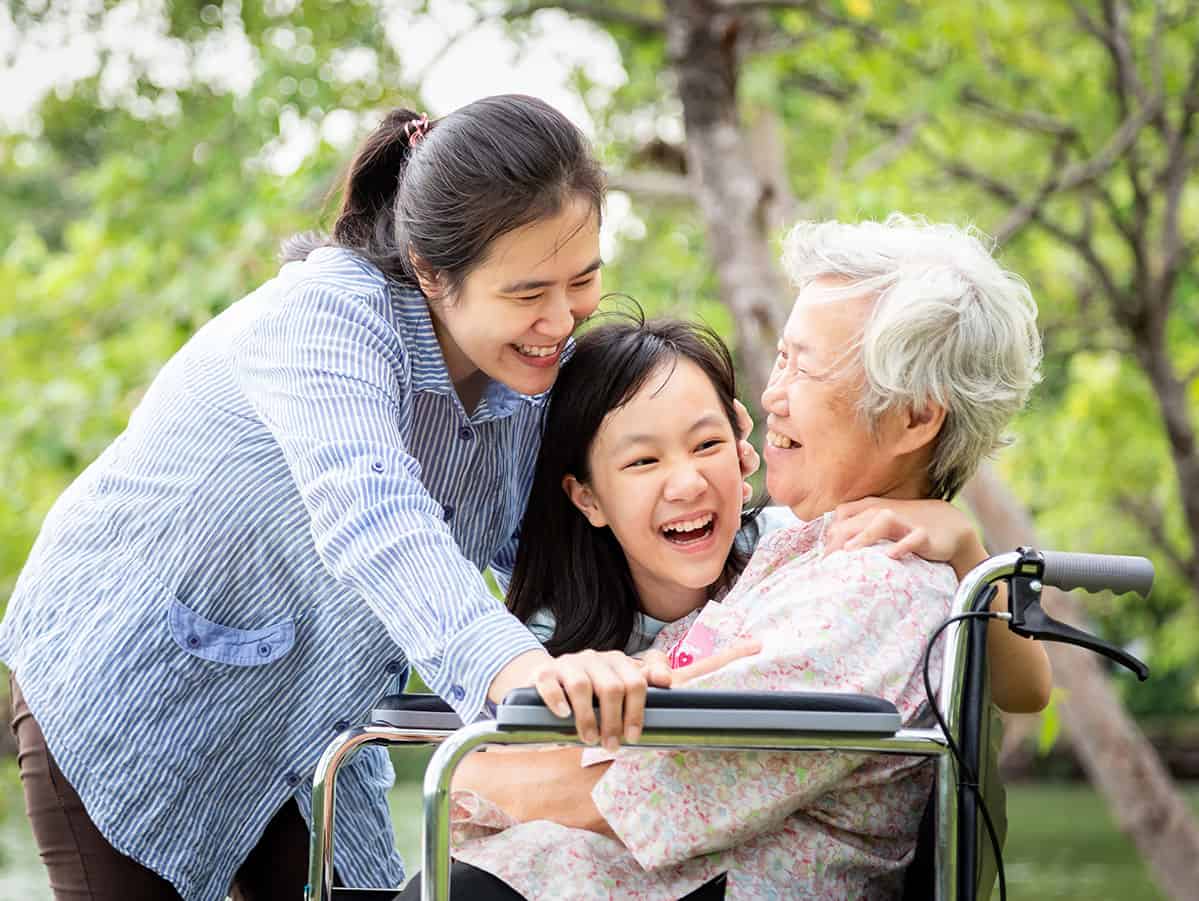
(510, 319)
(665, 478)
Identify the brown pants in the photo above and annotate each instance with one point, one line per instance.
(83, 865)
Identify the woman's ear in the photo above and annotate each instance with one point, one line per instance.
(584, 499)
(429, 280)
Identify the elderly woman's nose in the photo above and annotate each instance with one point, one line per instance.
(774, 398)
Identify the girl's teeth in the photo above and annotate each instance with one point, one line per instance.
(777, 440)
(689, 525)
(530, 351)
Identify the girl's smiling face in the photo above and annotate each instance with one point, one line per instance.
(665, 478)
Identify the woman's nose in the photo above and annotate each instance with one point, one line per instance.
(558, 319)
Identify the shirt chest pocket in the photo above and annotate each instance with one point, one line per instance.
(207, 640)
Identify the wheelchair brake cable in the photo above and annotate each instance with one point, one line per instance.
(963, 768)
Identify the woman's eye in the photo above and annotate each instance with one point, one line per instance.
(641, 461)
(578, 286)
(711, 443)
(529, 298)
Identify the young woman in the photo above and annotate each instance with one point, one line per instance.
(298, 511)
(634, 523)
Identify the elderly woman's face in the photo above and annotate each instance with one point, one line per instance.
(819, 451)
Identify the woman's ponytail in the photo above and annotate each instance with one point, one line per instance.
(368, 204)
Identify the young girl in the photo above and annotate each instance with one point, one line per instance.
(634, 523)
(298, 511)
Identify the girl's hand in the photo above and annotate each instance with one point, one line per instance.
(742, 647)
(934, 530)
(750, 461)
(569, 683)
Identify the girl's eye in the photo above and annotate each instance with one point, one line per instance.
(578, 286)
(641, 461)
(711, 443)
(530, 298)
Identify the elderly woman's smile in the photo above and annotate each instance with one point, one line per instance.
(821, 449)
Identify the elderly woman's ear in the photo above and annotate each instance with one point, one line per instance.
(920, 428)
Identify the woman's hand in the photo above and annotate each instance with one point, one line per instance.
(746, 454)
(570, 682)
(934, 530)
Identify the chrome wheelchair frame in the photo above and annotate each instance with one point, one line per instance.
(961, 697)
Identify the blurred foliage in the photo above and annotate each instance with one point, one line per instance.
(128, 217)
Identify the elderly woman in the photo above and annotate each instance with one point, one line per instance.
(907, 352)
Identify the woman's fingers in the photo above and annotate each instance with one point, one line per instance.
(610, 679)
(742, 647)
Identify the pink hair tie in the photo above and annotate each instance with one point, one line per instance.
(415, 129)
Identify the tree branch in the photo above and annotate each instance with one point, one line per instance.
(665, 186)
(597, 12)
(1027, 120)
(1149, 516)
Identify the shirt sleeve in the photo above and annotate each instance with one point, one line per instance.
(323, 371)
(853, 622)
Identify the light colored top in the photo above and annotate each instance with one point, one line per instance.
(802, 824)
(645, 629)
(299, 507)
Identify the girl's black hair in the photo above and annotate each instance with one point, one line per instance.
(566, 566)
(492, 166)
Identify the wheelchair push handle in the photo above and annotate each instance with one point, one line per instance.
(1098, 572)
(1092, 572)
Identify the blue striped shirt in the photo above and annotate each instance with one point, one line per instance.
(299, 507)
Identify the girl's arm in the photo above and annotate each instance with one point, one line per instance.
(1021, 677)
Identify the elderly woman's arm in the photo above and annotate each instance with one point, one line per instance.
(1021, 678)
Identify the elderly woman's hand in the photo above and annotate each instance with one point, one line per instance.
(657, 661)
(934, 530)
(745, 451)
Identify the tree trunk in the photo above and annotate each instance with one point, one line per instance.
(701, 39)
(1118, 759)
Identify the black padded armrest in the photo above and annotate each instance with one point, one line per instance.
(408, 711)
(682, 708)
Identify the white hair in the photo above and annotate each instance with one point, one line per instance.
(949, 325)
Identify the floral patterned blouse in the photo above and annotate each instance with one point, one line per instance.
(813, 824)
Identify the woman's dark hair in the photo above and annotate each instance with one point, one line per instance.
(566, 566)
(492, 166)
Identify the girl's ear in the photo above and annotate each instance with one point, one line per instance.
(584, 499)
(430, 281)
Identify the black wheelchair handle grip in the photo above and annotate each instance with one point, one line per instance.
(1098, 572)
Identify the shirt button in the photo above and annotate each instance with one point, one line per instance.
(264, 650)
(394, 666)
(292, 779)
(448, 512)
(457, 692)
(377, 465)
(466, 434)
(341, 725)
(193, 641)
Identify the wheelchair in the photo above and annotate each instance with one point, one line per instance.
(952, 837)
